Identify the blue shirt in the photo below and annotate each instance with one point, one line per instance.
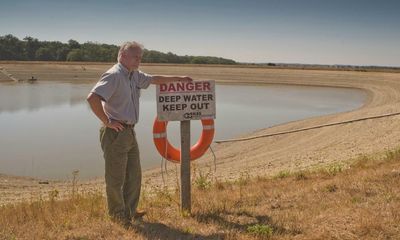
(120, 90)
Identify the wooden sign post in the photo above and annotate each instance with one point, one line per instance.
(186, 203)
(185, 101)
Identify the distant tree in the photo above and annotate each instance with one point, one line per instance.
(75, 55)
(198, 60)
(44, 54)
(108, 53)
(62, 53)
(210, 60)
(11, 48)
(73, 44)
(95, 52)
(31, 46)
(151, 56)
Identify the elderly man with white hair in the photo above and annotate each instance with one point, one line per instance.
(115, 101)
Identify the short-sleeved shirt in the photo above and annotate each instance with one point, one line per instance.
(120, 91)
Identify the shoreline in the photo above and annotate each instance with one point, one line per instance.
(268, 156)
(281, 66)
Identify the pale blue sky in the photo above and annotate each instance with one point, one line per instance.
(289, 31)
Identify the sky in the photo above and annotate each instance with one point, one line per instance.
(354, 32)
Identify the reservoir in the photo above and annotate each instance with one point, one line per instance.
(48, 130)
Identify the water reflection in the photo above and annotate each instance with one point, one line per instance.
(16, 97)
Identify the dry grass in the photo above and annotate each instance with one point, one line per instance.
(357, 201)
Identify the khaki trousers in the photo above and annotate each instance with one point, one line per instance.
(123, 173)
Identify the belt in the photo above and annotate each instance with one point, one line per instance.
(127, 125)
(124, 124)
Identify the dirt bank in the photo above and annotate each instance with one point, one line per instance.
(263, 156)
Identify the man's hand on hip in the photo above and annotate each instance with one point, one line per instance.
(117, 126)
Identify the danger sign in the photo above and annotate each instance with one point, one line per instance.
(180, 101)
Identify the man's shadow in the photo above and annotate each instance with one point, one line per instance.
(153, 231)
(226, 218)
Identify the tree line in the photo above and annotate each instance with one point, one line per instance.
(31, 49)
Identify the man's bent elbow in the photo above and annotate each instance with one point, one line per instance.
(89, 97)
(92, 97)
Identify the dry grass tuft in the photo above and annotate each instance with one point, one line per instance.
(355, 201)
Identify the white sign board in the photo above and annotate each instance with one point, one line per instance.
(180, 101)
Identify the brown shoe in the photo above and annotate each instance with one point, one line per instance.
(139, 214)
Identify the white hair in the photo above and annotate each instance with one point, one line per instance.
(126, 46)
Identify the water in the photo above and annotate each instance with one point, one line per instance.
(47, 129)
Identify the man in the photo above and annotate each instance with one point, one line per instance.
(115, 101)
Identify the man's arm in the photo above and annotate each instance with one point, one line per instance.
(94, 101)
(159, 79)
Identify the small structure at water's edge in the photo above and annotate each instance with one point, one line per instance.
(11, 77)
(32, 79)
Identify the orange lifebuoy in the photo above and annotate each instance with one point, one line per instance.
(173, 154)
